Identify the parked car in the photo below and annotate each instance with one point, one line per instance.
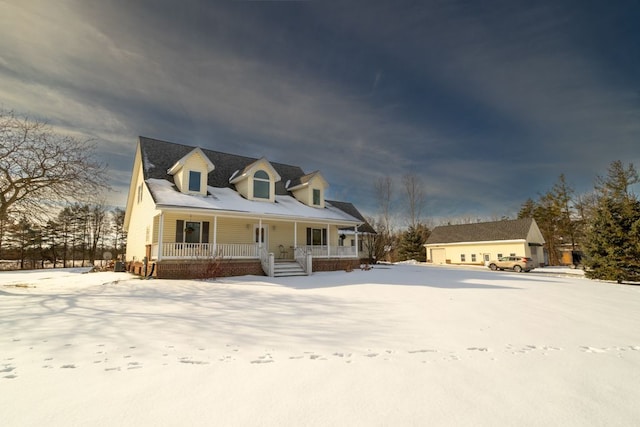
(515, 263)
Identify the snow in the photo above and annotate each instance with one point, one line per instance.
(398, 345)
(226, 199)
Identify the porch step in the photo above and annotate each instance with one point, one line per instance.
(287, 268)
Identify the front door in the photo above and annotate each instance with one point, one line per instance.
(260, 235)
(438, 256)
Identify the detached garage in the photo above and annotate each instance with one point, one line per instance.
(475, 244)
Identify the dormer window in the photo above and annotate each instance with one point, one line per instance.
(261, 185)
(310, 189)
(190, 172)
(194, 181)
(256, 181)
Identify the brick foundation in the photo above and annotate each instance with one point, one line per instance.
(335, 264)
(204, 269)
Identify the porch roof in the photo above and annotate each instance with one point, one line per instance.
(226, 199)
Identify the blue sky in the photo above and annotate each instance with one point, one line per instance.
(488, 102)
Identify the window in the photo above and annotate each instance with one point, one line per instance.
(512, 254)
(473, 257)
(316, 197)
(261, 185)
(316, 236)
(194, 181)
(139, 193)
(462, 258)
(192, 231)
(499, 256)
(259, 234)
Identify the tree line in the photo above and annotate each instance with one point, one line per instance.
(78, 236)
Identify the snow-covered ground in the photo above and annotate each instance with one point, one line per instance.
(397, 345)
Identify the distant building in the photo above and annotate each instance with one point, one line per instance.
(484, 241)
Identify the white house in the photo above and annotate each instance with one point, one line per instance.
(188, 207)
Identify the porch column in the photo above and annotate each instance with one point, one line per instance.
(328, 240)
(295, 236)
(160, 235)
(215, 234)
(356, 231)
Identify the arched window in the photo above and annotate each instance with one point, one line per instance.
(261, 185)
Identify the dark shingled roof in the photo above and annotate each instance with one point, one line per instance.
(481, 232)
(351, 210)
(158, 156)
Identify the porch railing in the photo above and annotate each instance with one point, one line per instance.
(205, 250)
(243, 250)
(267, 261)
(331, 251)
(304, 259)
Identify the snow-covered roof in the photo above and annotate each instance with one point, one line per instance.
(227, 200)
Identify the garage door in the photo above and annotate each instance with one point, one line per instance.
(438, 256)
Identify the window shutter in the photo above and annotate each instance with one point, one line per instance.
(179, 231)
(205, 231)
(324, 236)
(309, 241)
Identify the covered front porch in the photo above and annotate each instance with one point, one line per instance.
(184, 236)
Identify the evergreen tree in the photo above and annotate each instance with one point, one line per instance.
(613, 240)
(411, 245)
(51, 234)
(527, 210)
(556, 215)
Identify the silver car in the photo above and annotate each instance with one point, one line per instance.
(515, 263)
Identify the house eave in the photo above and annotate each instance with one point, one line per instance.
(256, 215)
(483, 242)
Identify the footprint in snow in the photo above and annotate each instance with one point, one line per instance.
(193, 362)
(479, 349)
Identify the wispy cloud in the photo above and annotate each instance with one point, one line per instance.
(467, 95)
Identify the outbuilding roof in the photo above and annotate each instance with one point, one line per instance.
(515, 229)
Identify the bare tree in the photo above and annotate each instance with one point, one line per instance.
(384, 191)
(119, 233)
(383, 188)
(97, 224)
(39, 167)
(416, 198)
